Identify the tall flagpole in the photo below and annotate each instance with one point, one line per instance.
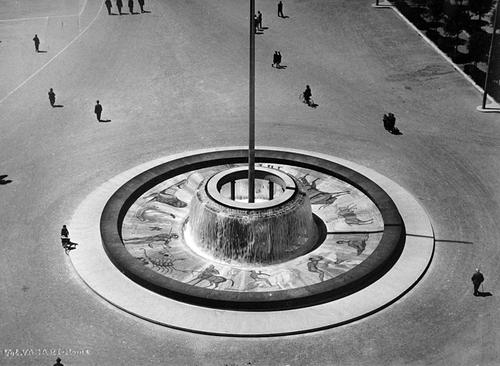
(492, 45)
(251, 124)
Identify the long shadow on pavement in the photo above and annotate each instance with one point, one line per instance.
(3, 180)
(484, 294)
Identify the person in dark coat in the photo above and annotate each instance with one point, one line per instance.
(308, 95)
(392, 122)
(280, 10)
(108, 6)
(141, 4)
(275, 59)
(131, 6)
(98, 110)
(58, 362)
(52, 97)
(477, 279)
(119, 5)
(389, 122)
(259, 20)
(65, 241)
(278, 59)
(37, 43)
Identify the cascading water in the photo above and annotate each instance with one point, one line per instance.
(244, 235)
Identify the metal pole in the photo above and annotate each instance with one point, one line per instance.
(495, 25)
(251, 124)
(233, 190)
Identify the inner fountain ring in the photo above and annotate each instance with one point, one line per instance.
(371, 269)
(215, 183)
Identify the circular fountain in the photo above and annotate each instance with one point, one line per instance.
(275, 228)
(317, 231)
(179, 244)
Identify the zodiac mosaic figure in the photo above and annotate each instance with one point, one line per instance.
(212, 275)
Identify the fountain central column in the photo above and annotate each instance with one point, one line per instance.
(266, 231)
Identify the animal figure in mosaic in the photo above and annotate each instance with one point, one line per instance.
(212, 276)
(164, 265)
(168, 196)
(258, 281)
(286, 278)
(350, 217)
(165, 238)
(359, 243)
(312, 266)
(152, 214)
(318, 197)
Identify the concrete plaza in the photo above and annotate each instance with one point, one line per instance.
(174, 80)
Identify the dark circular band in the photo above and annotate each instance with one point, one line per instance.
(378, 263)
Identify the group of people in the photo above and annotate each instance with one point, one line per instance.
(257, 20)
(119, 5)
(307, 94)
(97, 107)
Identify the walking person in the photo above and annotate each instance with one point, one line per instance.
(37, 43)
(280, 10)
(131, 6)
(65, 241)
(119, 5)
(259, 20)
(58, 362)
(52, 97)
(98, 111)
(108, 6)
(477, 279)
(141, 5)
(278, 59)
(307, 95)
(275, 59)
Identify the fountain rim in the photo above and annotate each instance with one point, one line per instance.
(375, 266)
(286, 182)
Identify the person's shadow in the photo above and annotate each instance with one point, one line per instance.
(40, 51)
(281, 67)
(3, 180)
(484, 294)
(57, 106)
(69, 246)
(104, 120)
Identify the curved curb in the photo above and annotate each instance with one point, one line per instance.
(94, 267)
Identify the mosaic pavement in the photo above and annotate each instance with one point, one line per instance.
(152, 232)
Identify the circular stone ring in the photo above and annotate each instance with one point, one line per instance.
(395, 266)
